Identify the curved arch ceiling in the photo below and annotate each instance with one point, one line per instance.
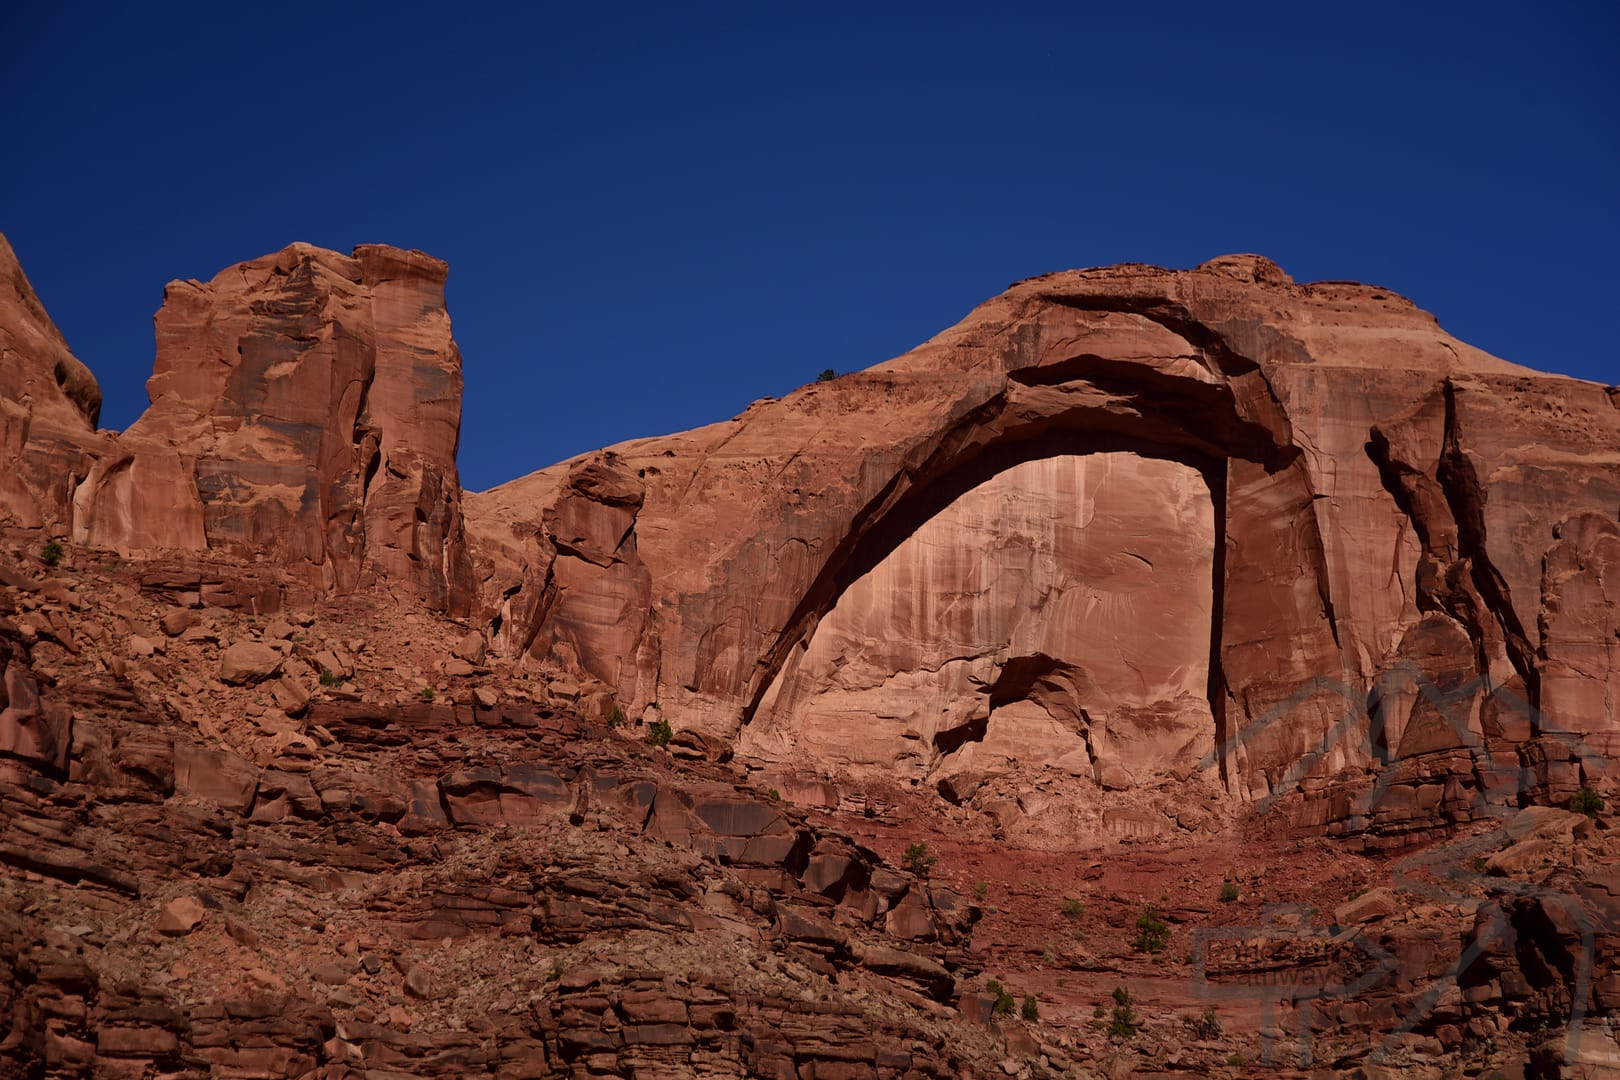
(1058, 611)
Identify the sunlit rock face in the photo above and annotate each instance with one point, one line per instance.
(894, 573)
(305, 405)
(1058, 612)
(49, 405)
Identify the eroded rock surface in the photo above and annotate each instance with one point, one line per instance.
(1269, 601)
(1408, 541)
(305, 406)
(1023, 622)
(49, 405)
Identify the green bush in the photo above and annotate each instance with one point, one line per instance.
(1125, 1022)
(1207, 1026)
(51, 553)
(827, 375)
(1586, 801)
(1030, 1011)
(1152, 932)
(330, 677)
(917, 860)
(659, 733)
(427, 695)
(1004, 1002)
(1229, 892)
(773, 795)
(981, 889)
(615, 717)
(1072, 907)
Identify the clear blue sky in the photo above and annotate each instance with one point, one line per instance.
(656, 214)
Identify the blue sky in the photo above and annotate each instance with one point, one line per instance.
(657, 214)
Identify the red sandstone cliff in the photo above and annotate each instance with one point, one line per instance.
(1078, 594)
(1120, 523)
(305, 406)
(49, 404)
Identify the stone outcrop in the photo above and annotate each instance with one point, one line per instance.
(305, 405)
(1125, 521)
(49, 405)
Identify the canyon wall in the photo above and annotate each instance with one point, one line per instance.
(1408, 544)
(1129, 524)
(1202, 585)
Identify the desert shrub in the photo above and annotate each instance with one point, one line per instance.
(827, 375)
(773, 795)
(51, 553)
(981, 889)
(1125, 1022)
(330, 677)
(1030, 1010)
(1229, 892)
(1207, 1026)
(1586, 801)
(659, 733)
(1004, 1002)
(427, 695)
(615, 717)
(1072, 907)
(1152, 932)
(917, 860)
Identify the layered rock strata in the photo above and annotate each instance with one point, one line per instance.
(174, 905)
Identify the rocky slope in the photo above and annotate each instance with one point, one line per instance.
(1206, 659)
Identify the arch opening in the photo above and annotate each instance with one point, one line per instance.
(1055, 602)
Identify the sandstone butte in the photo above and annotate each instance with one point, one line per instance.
(1133, 587)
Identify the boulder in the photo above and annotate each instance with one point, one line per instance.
(248, 662)
(1370, 906)
(470, 648)
(177, 621)
(292, 696)
(180, 916)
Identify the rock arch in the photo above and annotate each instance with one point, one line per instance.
(739, 538)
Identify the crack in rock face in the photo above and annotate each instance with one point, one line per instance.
(1099, 563)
